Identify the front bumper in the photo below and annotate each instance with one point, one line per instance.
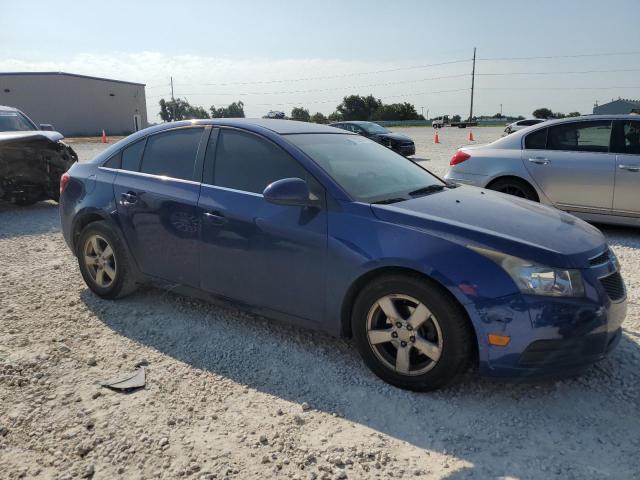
(550, 336)
(406, 150)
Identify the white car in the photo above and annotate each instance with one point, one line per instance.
(520, 124)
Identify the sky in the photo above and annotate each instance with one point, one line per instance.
(280, 54)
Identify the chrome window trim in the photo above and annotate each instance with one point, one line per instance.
(150, 175)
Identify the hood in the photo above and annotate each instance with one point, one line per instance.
(473, 216)
(398, 137)
(9, 136)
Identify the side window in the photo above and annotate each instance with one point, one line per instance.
(249, 163)
(131, 156)
(172, 153)
(580, 137)
(632, 138)
(114, 162)
(536, 140)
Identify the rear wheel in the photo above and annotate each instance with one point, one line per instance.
(104, 262)
(410, 333)
(515, 187)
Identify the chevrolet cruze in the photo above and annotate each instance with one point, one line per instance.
(327, 229)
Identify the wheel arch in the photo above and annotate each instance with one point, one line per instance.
(82, 220)
(356, 287)
(514, 177)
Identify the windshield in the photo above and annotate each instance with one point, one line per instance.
(366, 170)
(15, 122)
(373, 128)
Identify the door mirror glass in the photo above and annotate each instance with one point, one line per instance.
(46, 126)
(288, 191)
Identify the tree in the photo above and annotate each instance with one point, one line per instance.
(178, 109)
(356, 107)
(335, 117)
(318, 118)
(456, 118)
(542, 113)
(395, 111)
(235, 110)
(573, 114)
(301, 114)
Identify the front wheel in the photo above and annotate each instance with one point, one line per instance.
(411, 333)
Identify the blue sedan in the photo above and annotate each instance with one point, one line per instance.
(329, 230)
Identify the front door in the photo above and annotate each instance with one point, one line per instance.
(575, 168)
(626, 197)
(157, 200)
(271, 256)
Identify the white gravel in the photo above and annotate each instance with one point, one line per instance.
(230, 395)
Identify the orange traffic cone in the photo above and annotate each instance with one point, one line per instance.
(471, 139)
(436, 139)
(104, 137)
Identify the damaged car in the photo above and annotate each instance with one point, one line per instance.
(32, 159)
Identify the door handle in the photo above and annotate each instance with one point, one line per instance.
(630, 168)
(128, 198)
(540, 160)
(215, 217)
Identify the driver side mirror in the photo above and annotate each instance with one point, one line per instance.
(288, 191)
(46, 126)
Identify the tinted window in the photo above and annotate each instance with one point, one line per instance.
(131, 156)
(173, 153)
(115, 161)
(366, 170)
(14, 122)
(528, 123)
(580, 137)
(536, 140)
(632, 138)
(249, 163)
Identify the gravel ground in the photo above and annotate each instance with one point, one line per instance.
(223, 401)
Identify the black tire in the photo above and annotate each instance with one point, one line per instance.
(515, 187)
(125, 281)
(456, 343)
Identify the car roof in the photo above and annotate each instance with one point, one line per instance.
(353, 122)
(593, 118)
(4, 108)
(279, 126)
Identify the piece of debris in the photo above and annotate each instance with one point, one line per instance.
(305, 406)
(128, 382)
(142, 363)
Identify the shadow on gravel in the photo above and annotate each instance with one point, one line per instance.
(37, 219)
(516, 430)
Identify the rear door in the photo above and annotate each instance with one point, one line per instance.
(157, 193)
(626, 143)
(266, 255)
(572, 164)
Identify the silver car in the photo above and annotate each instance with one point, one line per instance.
(589, 166)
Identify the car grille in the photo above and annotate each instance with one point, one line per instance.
(614, 286)
(600, 259)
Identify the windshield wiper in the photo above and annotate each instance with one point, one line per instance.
(387, 201)
(427, 190)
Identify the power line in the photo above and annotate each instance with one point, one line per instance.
(327, 77)
(559, 72)
(547, 57)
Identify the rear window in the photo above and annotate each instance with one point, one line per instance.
(536, 140)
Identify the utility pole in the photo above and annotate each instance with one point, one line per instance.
(173, 101)
(500, 110)
(473, 78)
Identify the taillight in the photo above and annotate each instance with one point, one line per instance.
(64, 180)
(459, 157)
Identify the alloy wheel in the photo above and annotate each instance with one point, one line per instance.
(100, 261)
(404, 334)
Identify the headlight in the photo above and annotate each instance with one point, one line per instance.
(534, 279)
